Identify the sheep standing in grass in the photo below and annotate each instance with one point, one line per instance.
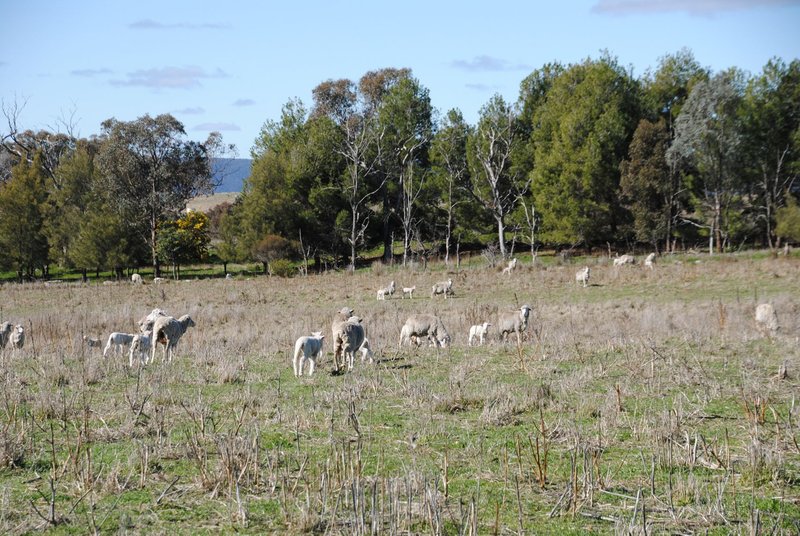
(511, 265)
(140, 345)
(479, 331)
(624, 259)
(366, 351)
(424, 325)
(146, 323)
(337, 329)
(387, 291)
(17, 338)
(513, 322)
(352, 340)
(443, 287)
(119, 341)
(409, 291)
(582, 276)
(168, 331)
(5, 333)
(650, 260)
(767, 320)
(308, 348)
(136, 279)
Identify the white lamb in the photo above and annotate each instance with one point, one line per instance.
(308, 348)
(387, 291)
(624, 259)
(582, 276)
(767, 320)
(478, 331)
(409, 291)
(443, 287)
(17, 338)
(424, 325)
(650, 260)
(137, 279)
(513, 322)
(5, 333)
(119, 341)
(511, 265)
(141, 344)
(168, 331)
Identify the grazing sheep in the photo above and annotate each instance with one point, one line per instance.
(624, 259)
(308, 348)
(160, 280)
(767, 320)
(511, 265)
(479, 331)
(17, 338)
(5, 333)
(513, 322)
(337, 329)
(409, 291)
(582, 276)
(137, 279)
(650, 260)
(141, 345)
(388, 291)
(168, 331)
(119, 341)
(91, 342)
(443, 287)
(146, 323)
(424, 325)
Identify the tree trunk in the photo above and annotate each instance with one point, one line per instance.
(501, 235)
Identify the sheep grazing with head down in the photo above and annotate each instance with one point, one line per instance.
(478, 332)
(141, 344)
(5, 333)
(443, 287)
(308, 348)
(767, 320)
(624, 259)
(387, 291)
(511, 265)
(136, 279)
(650, 260)
(582, 276)
(168, 331)
(17, 338)
(409, 291)
(513, 322)
(424, 325)
(118, 341)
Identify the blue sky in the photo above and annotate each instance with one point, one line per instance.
(231, 66)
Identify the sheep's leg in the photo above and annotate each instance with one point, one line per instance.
(312, 361)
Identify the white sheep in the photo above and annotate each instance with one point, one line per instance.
(513, 322)
(424, 325)
(511, 265)
(650, 260)
(767, 320)
(352, 340)
(141, 344)
(158, 280)
(308, 348)
(366, 351)
(168, 331)
(387, 291)
(136, 279)
(443, 287)
(146, 323)
(5, 333)
(478, 331)
(624, 259)
(17, 338)
(582, 276)
(409, 291)
(337, 330)
(119, 341)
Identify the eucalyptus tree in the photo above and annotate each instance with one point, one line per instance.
(151, 170)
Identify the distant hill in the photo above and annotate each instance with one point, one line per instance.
(231, 173)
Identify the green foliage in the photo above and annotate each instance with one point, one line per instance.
(788, 220)
(282, 268)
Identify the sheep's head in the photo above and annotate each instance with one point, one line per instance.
(525, 310)
(317, 335)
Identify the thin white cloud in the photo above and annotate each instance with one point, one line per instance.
(88, 73)
(197, 110)
(693, 7)
(244, 102)
(169, 77)
(209, 127)
(150, 24)
(480, 87)
(486, 64)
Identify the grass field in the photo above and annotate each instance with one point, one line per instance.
(645, 403)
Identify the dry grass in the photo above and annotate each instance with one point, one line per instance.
(644, 403)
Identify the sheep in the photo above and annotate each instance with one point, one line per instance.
(511, 265)
(388, 291)
(409, 291)
(118, 341)
(168, 331)
(308, 348)
(366, 351)
(767, 320)
(582, 276)
(337, 330)
(624, 259)
(650, 260)
(479, 332)
(136, 279)
(513, 322)
(146, 323)
(141, 345)
(5, 333)
(352, 340)
(426, 325)
(443, 287)
(158, 280)
(17, 338)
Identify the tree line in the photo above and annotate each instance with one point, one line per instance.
(588, 156)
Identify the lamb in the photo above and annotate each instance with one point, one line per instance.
(17, 338)
(136, 279)
(409, 291)
(426, 325)
(308, 348)
(146, 323)
(366, 351)
(443, 287)
(582, 276)
(650, 260)
(767, 320)
(168, 331)
(511, 265)
(624, 259)
(119, 341)
(388, 291)
(141, 345)
(5, 333)
(479, 331)
(513, 322)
